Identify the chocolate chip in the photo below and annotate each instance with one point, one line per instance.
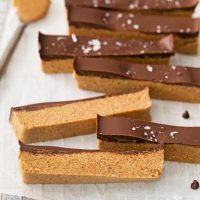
(195, 185)
(186, 115)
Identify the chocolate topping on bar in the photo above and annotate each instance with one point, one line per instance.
(55, 149)
(131, 5)
(157, 73)
(38, 106)
(122, 21)
(122, 129)
(60, 47)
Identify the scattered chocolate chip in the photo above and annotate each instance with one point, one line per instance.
(195, 185)
(186, 115)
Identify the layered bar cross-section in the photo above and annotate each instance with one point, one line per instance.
(55, 165)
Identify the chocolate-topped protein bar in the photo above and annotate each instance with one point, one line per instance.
(125, 25)
(57, 52)
(168, 82)
(181, 144)
(56, 165)
(147, 7)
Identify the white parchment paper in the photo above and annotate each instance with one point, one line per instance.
(24, 83)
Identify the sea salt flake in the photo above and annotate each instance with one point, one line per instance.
(105, 43)
(60, 38)
(95, 3)
(74, 38)
(96, 44)
(107, 14)
(133, 128)
(119, 15)
(147, 127)
(173, 67)
(107, 1)
(129, 21)
(173, 133)
(136, 26)
(149, 68)
(131, 6)
(86, 50)
(188, 29)
(118, 43)
(131, 15)
(142, 51)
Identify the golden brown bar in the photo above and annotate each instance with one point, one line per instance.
(54, 165)
(49, 121)
(166, 82)
(181, 144)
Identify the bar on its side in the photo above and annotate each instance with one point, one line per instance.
(55, 165)
(125, 25)
(48, 121)
(147, 7)
(165, 82)
(181, 144)
(57, 52)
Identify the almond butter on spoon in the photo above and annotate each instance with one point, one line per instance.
(32, 10)
(27, 11)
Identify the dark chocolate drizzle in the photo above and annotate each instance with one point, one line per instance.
(61, 150)
(179, 75)
(122, 21)
(132, 5)
(60, 47)
(127, 130)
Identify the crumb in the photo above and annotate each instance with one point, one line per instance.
(186, 115)
(195, 185)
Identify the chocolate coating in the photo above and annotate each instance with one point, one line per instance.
(131, 5)
(157, 73)
(62, 150)
(61, 47)
(127, 130)
(123, 21)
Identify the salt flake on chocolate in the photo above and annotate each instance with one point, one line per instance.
(173, 133)
(136, 26)
(74, 38)
(147, 127)
(149, 68)
(96, 44)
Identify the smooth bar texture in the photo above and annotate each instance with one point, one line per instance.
(48, 121)
(50, 165)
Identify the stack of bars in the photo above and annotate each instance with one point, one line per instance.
(123, 49)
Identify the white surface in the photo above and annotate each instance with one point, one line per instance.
(24, 83)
